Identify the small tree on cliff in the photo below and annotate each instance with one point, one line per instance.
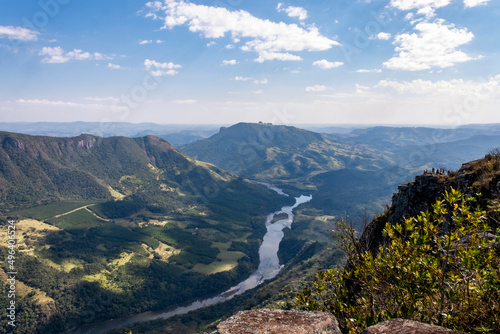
(440, 267)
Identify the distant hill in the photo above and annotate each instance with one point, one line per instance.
(393, 138)
(277, 152)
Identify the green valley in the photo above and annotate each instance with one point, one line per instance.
(115, 226)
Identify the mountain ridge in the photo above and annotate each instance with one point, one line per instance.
(265, 151)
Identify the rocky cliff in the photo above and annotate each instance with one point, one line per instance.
(480, 178)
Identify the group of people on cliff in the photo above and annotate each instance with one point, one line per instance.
(438, 171)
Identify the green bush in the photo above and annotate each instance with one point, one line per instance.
(440, 267)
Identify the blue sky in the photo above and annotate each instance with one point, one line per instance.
(416, 62)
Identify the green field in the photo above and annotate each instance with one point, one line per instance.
(226, 260)
(77, 222)
(45, 212)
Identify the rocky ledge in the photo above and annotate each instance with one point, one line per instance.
(265, 321)
(279, 321)
(402, 326)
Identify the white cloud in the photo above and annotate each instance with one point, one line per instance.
(240, 78)
(99, 56)
(158, 69)
(369, 71)
(316, 88)
(48, 103)
(293, 11)
(474, 3)
(57, 55)
(385, 36)
(211, 43)
(265, 56)
(424, 7)
(150, 41)
(114, 66)
(18, 33)
(269, 39)
(230, 62)
(434, 46)
(229, 46)
(185, 101)
(417, 4)
(455, 87)
(409, 16)
(78, 54)
(325, 64)
(261, 82)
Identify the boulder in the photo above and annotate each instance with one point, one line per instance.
(266, 321)
(402, 326)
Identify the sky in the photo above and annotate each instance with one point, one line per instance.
(413, 62)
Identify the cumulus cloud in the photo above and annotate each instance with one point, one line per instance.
(57, 55)
(158, 69)
(114, 66)
(433, 46)
(265, 56)
(385, 36)
(316, 88)
(261, 82)
(18, 33)
(424, 7)
(474, 3)
(270, 40)
(293, 11)
(325, 64)
(230, 62)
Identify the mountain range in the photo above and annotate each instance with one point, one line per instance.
(117, 225)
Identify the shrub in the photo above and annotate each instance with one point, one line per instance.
(439, 267)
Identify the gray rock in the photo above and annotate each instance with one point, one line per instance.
(401, 326)
(266, 321)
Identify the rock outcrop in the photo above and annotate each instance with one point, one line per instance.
(401, 326)
(476, 177)
(266, 321)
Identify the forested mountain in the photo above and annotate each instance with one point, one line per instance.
(269, 152)
(121, 225)
(143, 173)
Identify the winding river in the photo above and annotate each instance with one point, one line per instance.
(269, 267)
